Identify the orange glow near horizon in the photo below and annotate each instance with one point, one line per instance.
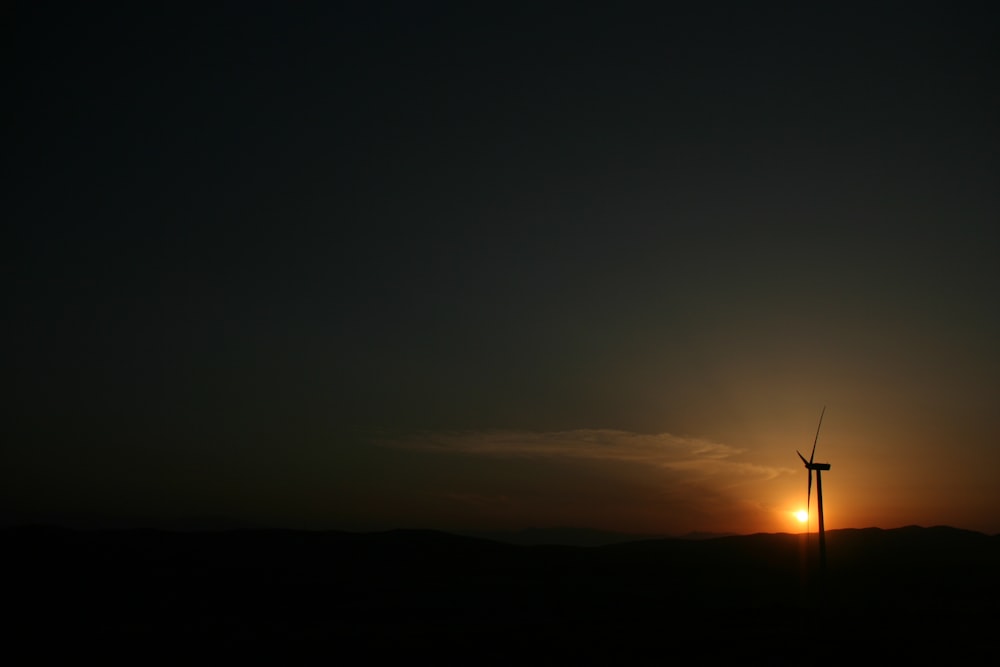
(802, 516)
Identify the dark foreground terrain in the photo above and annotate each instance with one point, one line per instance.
(905, 594)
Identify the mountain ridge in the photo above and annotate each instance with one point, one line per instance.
(407, 588)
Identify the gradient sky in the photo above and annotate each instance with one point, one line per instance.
(499, 265)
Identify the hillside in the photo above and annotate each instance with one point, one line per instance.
(739, 596)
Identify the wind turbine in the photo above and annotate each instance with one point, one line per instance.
(818, 467)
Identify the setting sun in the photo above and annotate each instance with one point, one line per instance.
(802, 516)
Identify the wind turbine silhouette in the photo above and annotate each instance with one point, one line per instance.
(818, 467)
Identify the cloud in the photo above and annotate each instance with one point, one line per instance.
(696, 457)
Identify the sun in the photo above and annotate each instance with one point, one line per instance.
(802, 516)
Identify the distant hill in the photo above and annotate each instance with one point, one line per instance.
(577, 537)
(560, 535)
(424, 589)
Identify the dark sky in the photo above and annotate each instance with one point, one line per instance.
(475, 265)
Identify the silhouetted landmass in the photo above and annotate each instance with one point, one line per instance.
(908, 592)
(559, 535)
(577, 537)
(701, 535)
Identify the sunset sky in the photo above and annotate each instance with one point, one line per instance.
(369, 265)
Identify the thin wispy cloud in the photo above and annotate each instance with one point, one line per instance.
(698, 457)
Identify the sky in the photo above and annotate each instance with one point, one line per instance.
(484, 266)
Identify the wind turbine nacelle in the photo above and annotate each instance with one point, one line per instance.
(818, 466)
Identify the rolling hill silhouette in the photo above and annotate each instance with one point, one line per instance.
(908, 591)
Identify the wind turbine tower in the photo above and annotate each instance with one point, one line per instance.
(819, 468)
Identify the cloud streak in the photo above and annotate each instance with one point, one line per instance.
(697, 457)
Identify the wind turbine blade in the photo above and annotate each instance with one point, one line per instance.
(817, 436)
(809, 491)
(802, 457)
